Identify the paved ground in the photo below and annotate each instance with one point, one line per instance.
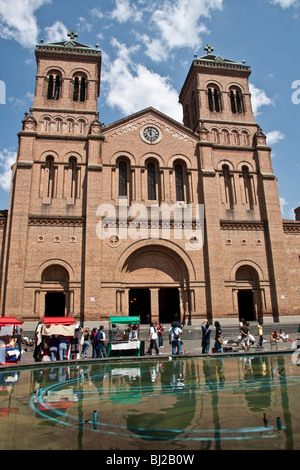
(192, 339)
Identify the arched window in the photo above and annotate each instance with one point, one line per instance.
(248, 187)
(151, 181)
(49, 169)
(236, 101)
(186, 118)
(123, 180)
(54, 86)
(214, 98)
(229, 196)
(79, 89)
(194, 105)
(179, 182)
(74, 177)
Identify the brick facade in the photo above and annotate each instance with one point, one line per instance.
(74, 177)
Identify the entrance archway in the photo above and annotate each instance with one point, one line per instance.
(55, 304)
(247, 281)
(55, 285)
(140, 304)
(169, 305)
(156, 279)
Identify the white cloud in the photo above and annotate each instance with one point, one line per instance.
(258, 98)
(179, 24)
(96, 13)
(285, 3)
(7, 159)
(124, 11)
(22, 102)
(274, 137)
(57, 32)
(154, 48)
(132, 87)
(17, 20)
(287, 210)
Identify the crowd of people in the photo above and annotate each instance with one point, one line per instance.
(96, 339)
(245, 338)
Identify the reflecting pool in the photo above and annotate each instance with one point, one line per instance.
(182, 404)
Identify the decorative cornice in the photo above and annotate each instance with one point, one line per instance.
(95, 167)
(241, 225)
(64, 110)
(24, 164)
(56, 221)
(291, 227)
(268, 176)
(65, 137)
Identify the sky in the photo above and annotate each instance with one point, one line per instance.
(147, 50)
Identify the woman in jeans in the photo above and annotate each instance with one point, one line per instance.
(62, 348)
(206, 331)
(153, 339)
(218, 336)
(86, 342)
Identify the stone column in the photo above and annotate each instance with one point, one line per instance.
(154, 299)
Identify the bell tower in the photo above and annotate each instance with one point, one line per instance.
(216, 90)
(58, 163)
(237, 187)
(67, 79)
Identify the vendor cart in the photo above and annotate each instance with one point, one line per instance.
(10, 347)
(128, 343)
(62, 328)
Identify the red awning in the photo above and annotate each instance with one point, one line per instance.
(58, 321)
(9, 321)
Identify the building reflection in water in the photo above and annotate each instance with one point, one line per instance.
(203, 403)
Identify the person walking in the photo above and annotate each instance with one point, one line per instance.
(175, 340)
(114, 333)
(86, 342)
(260, 334)
(206, 331)
(245, 341)
(100, 343)
(218, 338)
(53, 347)
(153, 339)
(93, 342)
(160, 330)
(241, 323)
(62, 347)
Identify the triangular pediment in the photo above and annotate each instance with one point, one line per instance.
(150, 117)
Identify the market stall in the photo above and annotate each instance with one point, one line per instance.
(53, 337)
(128, 342)
(10, 347)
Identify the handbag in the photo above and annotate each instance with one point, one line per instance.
(82, 340)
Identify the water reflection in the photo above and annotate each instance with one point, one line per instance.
(188, 403)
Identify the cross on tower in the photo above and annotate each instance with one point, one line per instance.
(208, 48)
(72, 35)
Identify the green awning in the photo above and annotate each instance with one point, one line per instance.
(125, 320)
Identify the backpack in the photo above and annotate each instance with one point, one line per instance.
(176, 335)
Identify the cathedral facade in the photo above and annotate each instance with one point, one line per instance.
(145, 216)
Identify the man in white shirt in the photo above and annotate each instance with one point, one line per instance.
(153, 339)
(174, 339)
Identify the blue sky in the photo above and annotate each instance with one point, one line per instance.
(147, 49)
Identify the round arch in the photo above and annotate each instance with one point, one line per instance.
(180, 159)
(51, 263)
(119, 155)
(151, 156)
(165, 248)
(246, 264)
